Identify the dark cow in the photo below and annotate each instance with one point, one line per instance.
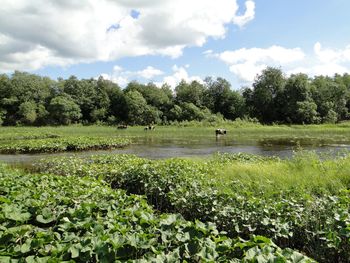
(220, 131)
(121, 127)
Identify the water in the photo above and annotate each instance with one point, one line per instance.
(157, 148)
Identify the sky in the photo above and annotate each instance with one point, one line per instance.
(165, 41)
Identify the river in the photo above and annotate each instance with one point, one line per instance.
(156, 148)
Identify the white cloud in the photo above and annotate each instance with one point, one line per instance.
(150, 72)
(328, 69)
(120, 80)
(325, 61)
(258, 55)
(246, 72)
(327, 55)
(248, 16)
(179, 74)
(117, 68)
(208, 52)
(245, 64)
(123, 77)
(50, 32)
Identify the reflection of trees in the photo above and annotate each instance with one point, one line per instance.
(278, 141)
(271, 143)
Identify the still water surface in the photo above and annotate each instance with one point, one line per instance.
(157, 148)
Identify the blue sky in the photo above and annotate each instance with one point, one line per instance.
(144, 40)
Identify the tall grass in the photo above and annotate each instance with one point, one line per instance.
(305, 174)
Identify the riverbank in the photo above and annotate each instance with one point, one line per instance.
(235, 130)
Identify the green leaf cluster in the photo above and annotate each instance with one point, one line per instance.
(51, 218)
(319, 224)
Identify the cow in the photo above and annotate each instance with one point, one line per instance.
(220, 131)
(121, 127)
(149, 128)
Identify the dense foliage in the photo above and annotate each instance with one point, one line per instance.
(47, 218)
(29, 99)
(315, 219)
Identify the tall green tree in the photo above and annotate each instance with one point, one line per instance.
(117, 110)
(297, 89)
(139, 112)
(191, 112)
(20, 88)
(267, 95)
(190, 92)
(154, 96)
(27, 111)
(307, 112)
(64, 110)
(83, 92)
(219, 98)
(101, 101)
(330, 97)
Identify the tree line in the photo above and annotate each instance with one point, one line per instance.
(28, 99)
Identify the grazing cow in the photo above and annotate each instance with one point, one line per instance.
(149, 128)
(121, 127)
(220, 131)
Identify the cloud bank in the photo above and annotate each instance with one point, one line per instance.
(245, 64)
(38, 33)
(123, 77)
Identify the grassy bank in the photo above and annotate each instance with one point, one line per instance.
(302, 203)
(236, 130)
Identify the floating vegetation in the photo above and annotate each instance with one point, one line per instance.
(62, 144)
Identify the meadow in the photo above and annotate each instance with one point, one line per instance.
(226, 208)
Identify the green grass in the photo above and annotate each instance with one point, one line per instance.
(237, 129)
(304, 174)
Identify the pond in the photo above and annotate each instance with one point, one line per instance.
(157, 148)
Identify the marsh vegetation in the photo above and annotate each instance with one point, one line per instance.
(218, 208)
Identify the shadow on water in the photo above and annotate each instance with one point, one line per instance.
(157, 148)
